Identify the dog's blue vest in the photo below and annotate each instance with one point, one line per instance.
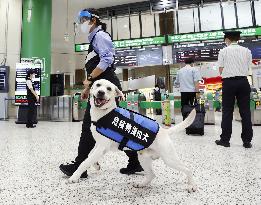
(128, 128)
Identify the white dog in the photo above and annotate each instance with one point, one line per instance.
(102, 98)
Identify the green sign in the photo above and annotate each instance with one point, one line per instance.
(140, 42)
(210, 35)
(81, 47)
(128, 43)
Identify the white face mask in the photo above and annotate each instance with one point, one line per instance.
(85, 27)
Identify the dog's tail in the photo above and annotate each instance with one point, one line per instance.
(184, 124)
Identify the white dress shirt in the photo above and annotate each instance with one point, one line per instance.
(235, 60)
(29, 84)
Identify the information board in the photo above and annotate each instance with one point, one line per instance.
(125, 57)
(209, 51)
(158, 40)
(4, 75)
(150, 56)
(20, 81)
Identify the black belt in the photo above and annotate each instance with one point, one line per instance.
(235, 78)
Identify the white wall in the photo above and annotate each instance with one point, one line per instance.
(10, 42)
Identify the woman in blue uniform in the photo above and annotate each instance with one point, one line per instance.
(99, 65)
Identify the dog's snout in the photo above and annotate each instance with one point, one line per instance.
(101, 93)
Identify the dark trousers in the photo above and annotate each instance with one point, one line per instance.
(87, 141)
(239, 89)
(30, 112)
(187, 98)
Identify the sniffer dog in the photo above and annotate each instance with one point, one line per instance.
(102, 99)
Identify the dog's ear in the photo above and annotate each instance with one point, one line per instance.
(119, 93)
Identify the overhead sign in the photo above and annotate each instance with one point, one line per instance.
(159, 40)
(81, 47)
(210, 35)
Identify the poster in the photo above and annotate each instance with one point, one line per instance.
(20, 81)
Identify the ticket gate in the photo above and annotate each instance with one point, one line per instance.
(209, 107)
(79, 107)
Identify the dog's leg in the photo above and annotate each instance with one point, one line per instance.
(94, 156)
(174, 162)
(146, 163)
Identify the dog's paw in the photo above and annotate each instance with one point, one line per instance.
(73, 180)
(97, 166)
(192, 188)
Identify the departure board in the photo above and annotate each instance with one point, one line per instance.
(4, 72)
(20, 81)
(199, 51)
(150, 56)
(125, 57)
(208, 51)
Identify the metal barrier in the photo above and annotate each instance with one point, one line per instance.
(55, 108)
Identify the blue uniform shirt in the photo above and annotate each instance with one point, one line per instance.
(186, 78)
(103, 45)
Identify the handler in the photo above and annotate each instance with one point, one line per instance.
(99, 65)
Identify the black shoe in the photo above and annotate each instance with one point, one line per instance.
(30, 126)
(130, 169)
(222, 143)
(69, 169)
(247, 145)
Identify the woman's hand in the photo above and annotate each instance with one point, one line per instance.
(85, 93)
(87, 84)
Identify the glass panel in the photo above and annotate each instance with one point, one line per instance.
(244, 14)
(186, 21)
(147, 25)
(258, 13)
(229, 15)
(210, 16)
(123, 27)
(135, 26)
(115, 28)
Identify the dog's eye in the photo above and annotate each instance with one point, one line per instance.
(109, 88)
(98, 84)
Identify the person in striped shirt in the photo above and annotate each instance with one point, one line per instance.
(234, 65)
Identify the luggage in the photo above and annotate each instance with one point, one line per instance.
(197, 127)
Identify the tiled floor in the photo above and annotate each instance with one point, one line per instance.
(29, 160)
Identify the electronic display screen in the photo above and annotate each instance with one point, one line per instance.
(150, 56)
(4, 72)
(20, 81)
(125, 57)
(208, 51)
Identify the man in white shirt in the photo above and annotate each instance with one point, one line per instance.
(234, 66)
(188, 79)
